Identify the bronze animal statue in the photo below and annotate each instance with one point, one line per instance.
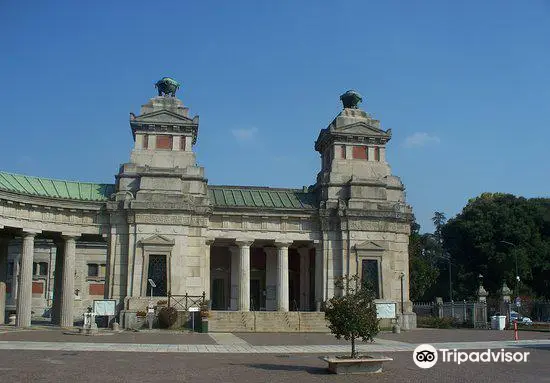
(351, 99)
(167, 86)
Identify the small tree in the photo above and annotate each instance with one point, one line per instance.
(353, 315)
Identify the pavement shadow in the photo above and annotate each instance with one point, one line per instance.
(283, 367)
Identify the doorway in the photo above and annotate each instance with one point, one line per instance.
(218, 294)
(256, 296)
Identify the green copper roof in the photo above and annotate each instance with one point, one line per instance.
(45, 187)
(258, 197)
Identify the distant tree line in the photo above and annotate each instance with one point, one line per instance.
(495, 236)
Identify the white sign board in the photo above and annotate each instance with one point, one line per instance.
(385, 310)
(105, 307)
(193, 309)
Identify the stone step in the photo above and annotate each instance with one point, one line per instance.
(267, 321)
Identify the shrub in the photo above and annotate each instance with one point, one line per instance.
(167, 317)
(435, 322)
(353, 315)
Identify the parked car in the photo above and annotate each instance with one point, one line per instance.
(515, 316)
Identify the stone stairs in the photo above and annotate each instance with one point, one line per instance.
(267, 321)
(231, 321)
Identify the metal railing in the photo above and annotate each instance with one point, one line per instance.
(183, 302)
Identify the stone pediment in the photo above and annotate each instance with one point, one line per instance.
(162, 117)
(370, 246)
(361, 129)
(157, 240)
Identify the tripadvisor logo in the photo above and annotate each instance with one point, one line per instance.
(426, 356)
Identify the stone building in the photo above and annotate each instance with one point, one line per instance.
(262, 256)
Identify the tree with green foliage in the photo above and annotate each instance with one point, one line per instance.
(492, 234)
(353, 315)
(422, 269)
(439, 220)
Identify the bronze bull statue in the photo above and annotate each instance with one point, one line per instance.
(167, 86)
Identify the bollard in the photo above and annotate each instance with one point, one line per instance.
(516, 337)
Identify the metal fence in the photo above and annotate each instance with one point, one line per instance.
(183, 302)
(465, 313)
(541, 311)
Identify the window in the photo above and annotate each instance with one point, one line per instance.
(40, 269)
(157, 272)
(182, 142)
(10, 268)
(93, 270)
(145, 141)
(96, 270)
(369, 271)
(164, 142)
(43, 268)
(343, 151)
(360, 152)
(377, 153)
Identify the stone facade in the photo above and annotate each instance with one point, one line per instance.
(246, 248)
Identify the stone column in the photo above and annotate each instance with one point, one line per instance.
(319, 275)
(24, 292)
(370, 153)
(131, 258)
(282, 276)
(304, 278)
(206, 269)
(67, 297)
(244, 275)
(15, 278)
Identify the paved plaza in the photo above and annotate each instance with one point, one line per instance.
(45, 354)
(68, 366)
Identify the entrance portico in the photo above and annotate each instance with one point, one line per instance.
(260, 275)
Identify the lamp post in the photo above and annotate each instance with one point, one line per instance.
(402, 277)
(447, 257)
(450, 280)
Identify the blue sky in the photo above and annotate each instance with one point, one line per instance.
(464, 86)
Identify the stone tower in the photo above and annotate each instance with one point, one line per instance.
(365, 222)
(160, 206)
(162, 160)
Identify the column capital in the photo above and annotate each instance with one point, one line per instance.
(67, 236)
(209, 241)
(244, 242)
(31, 232)
(283, 243)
